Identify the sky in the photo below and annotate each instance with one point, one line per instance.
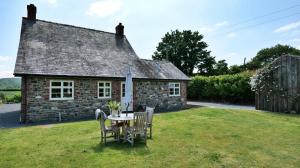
(233, 29)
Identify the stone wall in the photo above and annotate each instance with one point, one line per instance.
(40, 108)
(156, 94)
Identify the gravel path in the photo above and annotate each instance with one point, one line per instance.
(9, 115)
(220, 105)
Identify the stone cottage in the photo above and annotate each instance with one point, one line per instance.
(68, 71)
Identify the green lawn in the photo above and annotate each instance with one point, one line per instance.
(201, 137)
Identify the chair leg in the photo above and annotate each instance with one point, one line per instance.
(132, 140)
(104, 137)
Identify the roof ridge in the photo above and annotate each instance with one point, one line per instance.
(69, 25)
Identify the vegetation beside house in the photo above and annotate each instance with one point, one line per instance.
(234, 88)
(202, 137)
(10, 90)
(10, 96)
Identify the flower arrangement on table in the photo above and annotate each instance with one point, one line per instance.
(114, 106)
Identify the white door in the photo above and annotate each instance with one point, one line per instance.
(130, 108)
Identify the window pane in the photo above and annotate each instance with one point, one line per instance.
(56, 83)
(55, 93)
(171, 91)
(107, 92)
(67, 93)
(123, 90)
(67, 83)
(101, 84)
(101, 92)
(171, 84)
(176, 84)
(176, 91)
(107, 84)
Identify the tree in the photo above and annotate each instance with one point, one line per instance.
(186, 50)
(206, 66)
(234, 69)
(221, 67)
(267, 55)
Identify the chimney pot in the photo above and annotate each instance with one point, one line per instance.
(31, 12)
(120, 30)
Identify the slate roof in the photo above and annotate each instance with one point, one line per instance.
(48, 48)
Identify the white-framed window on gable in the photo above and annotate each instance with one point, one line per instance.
(174, 89)
(104, 89)
(61, 90)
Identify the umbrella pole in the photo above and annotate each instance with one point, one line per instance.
(127, 109)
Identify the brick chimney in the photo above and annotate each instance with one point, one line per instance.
(120, 30)
(31, 12)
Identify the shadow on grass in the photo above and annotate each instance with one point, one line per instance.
(139, 148)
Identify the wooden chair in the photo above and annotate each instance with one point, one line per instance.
(114, 131)
(139, 127)
(150, 112)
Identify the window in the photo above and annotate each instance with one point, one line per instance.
(123, 89)
(174, 89)
(104, 89)
(61, 90)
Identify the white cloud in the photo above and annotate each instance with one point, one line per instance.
(104, 8)
(287, 27)
(6, 74)
(5, 58)
(6, 66)
(296, 40)
(212, 28)
(232, 54)
(206, 29)
(220, 24)
(231, 35)
(49, 2)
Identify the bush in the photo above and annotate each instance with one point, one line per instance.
(10, 96)
(2, 98)
(224, 88)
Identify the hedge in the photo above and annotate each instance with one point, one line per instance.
(234, 88)
(10, 97)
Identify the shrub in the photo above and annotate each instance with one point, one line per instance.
(225, 88)
(10, 97)
(2, 98)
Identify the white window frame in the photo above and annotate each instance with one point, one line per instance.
(104, 88)
(174, 94)
(62, 87)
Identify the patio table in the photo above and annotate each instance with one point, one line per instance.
(122, 119)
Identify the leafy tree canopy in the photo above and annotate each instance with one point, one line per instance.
(186, 50)
(267, 55)
(221, 67)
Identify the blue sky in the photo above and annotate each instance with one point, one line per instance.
(233, 29)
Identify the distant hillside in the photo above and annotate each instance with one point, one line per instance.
(10, 83)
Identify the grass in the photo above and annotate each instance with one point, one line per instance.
(201, 137)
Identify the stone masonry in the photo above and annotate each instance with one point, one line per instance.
(36, 105)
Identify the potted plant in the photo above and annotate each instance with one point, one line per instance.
(114, 106)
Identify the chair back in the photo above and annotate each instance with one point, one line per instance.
(140, 122)
(150, 112)
(103, 117)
